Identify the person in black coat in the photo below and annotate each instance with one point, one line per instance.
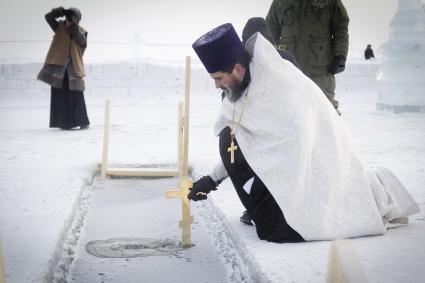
(368, 53)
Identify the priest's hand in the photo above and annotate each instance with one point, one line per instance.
(201, 188)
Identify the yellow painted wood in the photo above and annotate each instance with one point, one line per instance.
(2, 276)
(141, 172)
(185, 182)
(173, 194)
(344, 265)
(180, 125)
(182, 191)
(104, 167)
(187, 220)
(186, 119)
(183, 224)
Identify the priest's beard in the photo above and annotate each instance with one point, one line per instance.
(234, 91)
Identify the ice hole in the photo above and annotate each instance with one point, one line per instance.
(133, 247)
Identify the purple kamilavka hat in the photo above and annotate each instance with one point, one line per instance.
(219, 48)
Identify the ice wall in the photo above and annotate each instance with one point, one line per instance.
(140, 78)
(134, 79)
(402, 74)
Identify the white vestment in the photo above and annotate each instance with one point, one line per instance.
(296, 143)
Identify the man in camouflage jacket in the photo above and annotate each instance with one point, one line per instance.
(316, 32)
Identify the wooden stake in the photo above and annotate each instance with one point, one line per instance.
(186, 120)
(185, 182)
(104, 167)
(180, 124)
(141, 172)
(2, 276)
(344, 265)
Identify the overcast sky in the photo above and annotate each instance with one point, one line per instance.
(163, 22)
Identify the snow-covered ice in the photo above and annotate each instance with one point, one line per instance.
(135, 210)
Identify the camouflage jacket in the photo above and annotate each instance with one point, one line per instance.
(313, 30)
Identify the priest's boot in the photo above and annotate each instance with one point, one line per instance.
(245, 219)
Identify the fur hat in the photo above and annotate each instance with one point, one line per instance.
(219, 48)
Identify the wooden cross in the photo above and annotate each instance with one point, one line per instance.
(232, 149)
(183, 154)
(187, 219)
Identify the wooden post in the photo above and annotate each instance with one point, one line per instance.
(185, 182)
(186, 120)
(2, 276)
(344, 266)
(104, 167)
(180, 124)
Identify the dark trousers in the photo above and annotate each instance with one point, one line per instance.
(67, 107)
(259, 203)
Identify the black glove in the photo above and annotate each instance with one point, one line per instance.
(337, 65)
(201, 188)
(58, 12)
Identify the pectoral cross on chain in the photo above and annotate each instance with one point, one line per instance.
(233, 127)
(232, 149)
